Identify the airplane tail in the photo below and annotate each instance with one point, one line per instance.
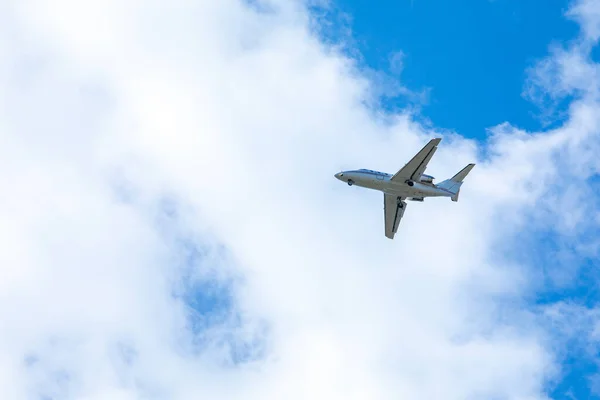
(453, 184)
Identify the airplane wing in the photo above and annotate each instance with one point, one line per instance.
(415, 167)
(393, 213)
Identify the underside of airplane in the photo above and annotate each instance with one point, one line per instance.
(409, 183)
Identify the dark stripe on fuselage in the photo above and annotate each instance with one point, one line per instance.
(445, 190)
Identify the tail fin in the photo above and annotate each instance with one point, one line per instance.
(453, 184)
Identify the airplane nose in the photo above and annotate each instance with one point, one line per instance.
(339, 175)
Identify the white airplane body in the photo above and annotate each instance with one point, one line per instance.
(409, 183)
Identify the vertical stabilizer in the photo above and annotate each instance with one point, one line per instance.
(453, 184)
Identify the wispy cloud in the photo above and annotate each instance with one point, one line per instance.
(239, 114)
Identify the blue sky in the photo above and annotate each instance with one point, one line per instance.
(185, 210)
(472, 54)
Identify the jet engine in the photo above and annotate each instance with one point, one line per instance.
(426, 178)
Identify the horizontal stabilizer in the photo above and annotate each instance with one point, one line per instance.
(462, 174)
(453, 184)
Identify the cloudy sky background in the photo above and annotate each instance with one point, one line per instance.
(171, 227)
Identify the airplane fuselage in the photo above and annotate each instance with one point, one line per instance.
(409, 183)
(382, 182)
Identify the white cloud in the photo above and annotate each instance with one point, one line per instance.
(239, 116)
(587, 14)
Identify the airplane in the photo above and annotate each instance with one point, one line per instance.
(408, 183)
